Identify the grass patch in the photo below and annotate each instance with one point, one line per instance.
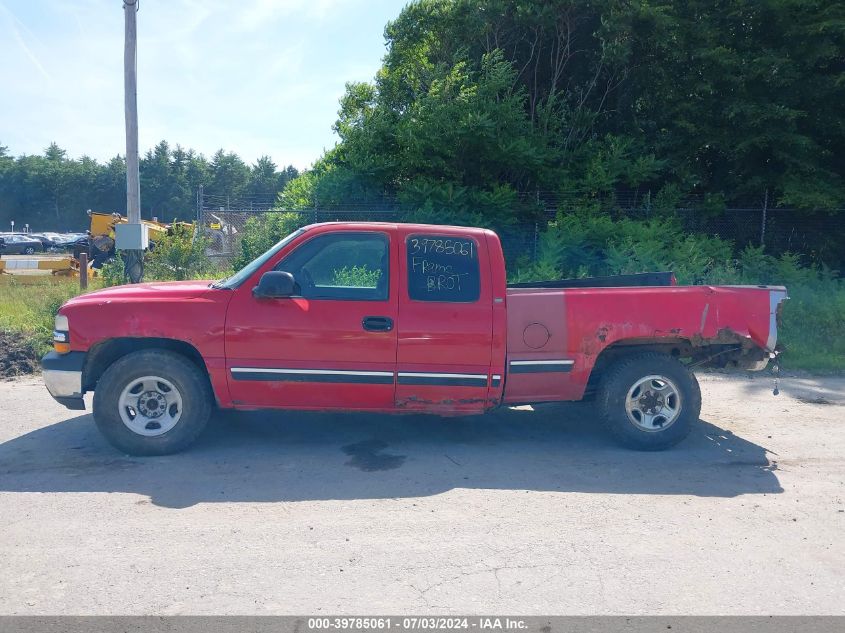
(813, 322)
(26, 315)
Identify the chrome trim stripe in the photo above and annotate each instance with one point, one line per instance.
(561, 361)
(359, 377)
(276, 374)
(441, 379)
(558, 365)
(338, 372)
(429, 375)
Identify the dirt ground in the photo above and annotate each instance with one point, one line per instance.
(523, 512)
(17, 356)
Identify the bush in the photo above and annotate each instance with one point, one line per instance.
(112, 272)
(176, 256)
(356, 277)
(262, 231)
(586, 245)
(179, 255)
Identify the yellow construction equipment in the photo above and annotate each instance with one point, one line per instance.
(99, 246)
(104, 223)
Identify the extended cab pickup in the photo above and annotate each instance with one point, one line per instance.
(399, 318)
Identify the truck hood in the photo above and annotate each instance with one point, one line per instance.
(153, 291)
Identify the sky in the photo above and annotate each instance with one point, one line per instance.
(251, 76)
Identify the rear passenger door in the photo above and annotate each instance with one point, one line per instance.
(445, 323)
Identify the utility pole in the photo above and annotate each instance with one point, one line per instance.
(134, 243)
(200, 205)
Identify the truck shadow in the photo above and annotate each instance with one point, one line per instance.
(277, 456)
(823, 390)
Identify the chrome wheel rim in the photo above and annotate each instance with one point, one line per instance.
(150, 406)
(653, 403)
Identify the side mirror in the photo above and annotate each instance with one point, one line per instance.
(274, 284)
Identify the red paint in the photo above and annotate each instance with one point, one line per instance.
(233, 329)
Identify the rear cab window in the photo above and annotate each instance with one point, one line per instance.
(443, 268)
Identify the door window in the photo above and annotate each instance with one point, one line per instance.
(443, 268)
(341, 266)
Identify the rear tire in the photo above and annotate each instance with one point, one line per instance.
(152, 402)
(649, 401)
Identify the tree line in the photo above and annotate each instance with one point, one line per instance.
(483, 107)
(52, 192)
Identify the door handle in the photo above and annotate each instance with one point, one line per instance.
(377, 324)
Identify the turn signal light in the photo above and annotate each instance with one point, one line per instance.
(61, 348)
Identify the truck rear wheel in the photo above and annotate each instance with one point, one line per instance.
(152, 402)
(649, 401)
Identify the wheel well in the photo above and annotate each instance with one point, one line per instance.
(715, 353)
(676, 348)
(103, 354)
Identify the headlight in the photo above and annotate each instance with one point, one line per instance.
(61, 334)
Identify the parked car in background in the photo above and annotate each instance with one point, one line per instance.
(48, 240)
(15, 244)
(66, 242)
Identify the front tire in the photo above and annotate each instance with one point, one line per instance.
(649, 401)
(152, 402)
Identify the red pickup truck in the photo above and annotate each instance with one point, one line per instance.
(399, 318)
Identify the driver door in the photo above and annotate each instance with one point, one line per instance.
(331, 345)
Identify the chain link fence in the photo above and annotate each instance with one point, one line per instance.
(819, 237)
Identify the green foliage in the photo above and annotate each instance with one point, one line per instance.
(580, 245)
(356, 277)
(299, 192)
(179, 255)
(262, 231)
(813, 321)
(479, 105)
(112, 272)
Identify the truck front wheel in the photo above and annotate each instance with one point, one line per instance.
(152, 402)
(649, 401)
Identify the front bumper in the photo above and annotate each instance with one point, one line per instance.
(63, 378)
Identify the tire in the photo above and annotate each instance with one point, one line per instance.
(170, 397)
(649, 401)
(29, 250)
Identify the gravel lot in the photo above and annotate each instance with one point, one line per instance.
(523, 512)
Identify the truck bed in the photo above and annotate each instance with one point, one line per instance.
(571, 329)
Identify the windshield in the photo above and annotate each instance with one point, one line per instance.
(246, 272)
